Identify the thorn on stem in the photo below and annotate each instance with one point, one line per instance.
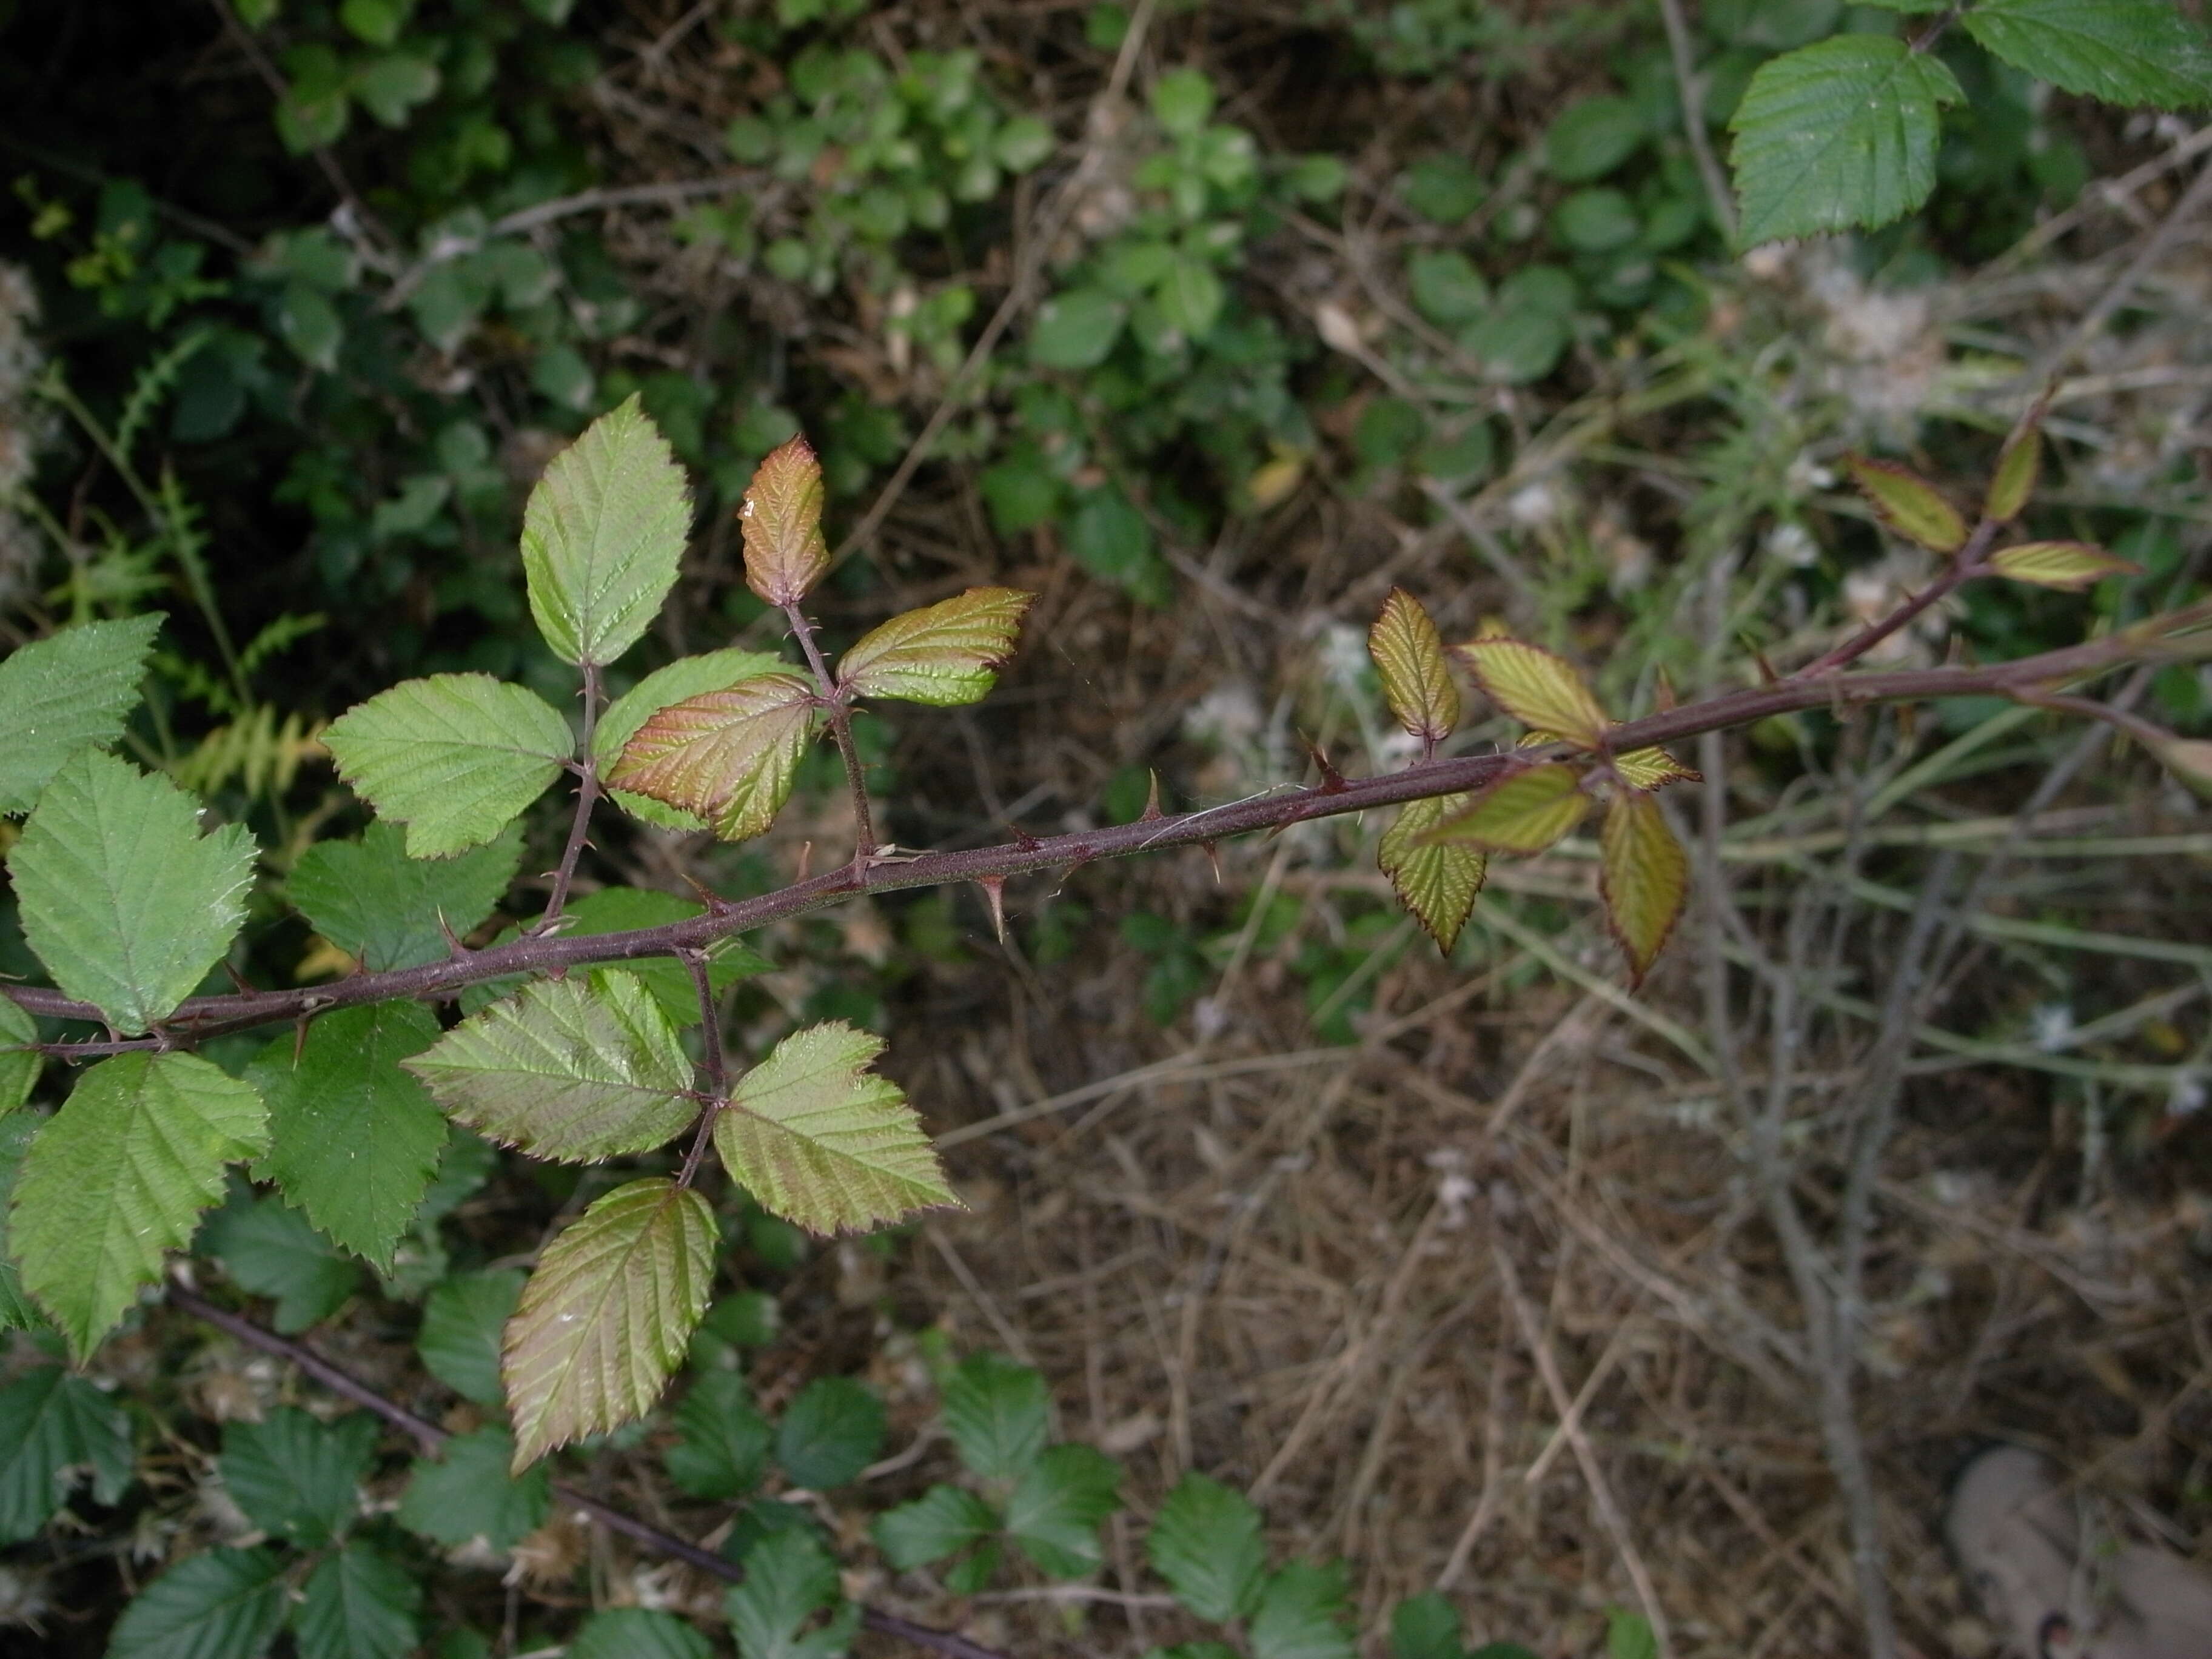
(1151, 800)
(1213, 857)
(1332, 780)
(994, 889)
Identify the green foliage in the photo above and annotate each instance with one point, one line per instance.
(269, 1249)
(358, 1603)
(1302, 1614)
(53, 1427)
(1205, 1542)
(224, 1602)
(637, 1633)
(373, 902)
(723, 1441)
(684, 678)
(789, 1579)
(17, 1311)
(1053, 1513)
(66, 694)
(832, 1430)
(126, 903)
(997, 1412)
(726, 757)
(462, 1319)
(467, 1493)
(2124, 51)
(297, 1478)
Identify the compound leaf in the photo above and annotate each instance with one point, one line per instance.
(605, 1319)
(820, 1140)
(1205, 1542)
(724, 1439)
(1540, 691)
(65, 693)
(2124, 51)
(1435, 882)
(831, 1431)
(603, 534)
(226, 1604)
(52, 1426)
(1301, 1614)
(295, 1477)
(784, 553)
(1909, 504)
(122, 898)
(942, 1522)
(2068, 566)
(359, 1604)
(1644, 876)
(455, 757)
(1524, 812)
(1838, 133)
(1054, 1513)
(1409, 655)
(467, 1493)
(269, 1248)
(942, 655)
(638, 1633)
(789, 1578)
(687, 677)
(574, 1068)
(997, 1412)
(388, 910)
(463, 1318)
(353, 1140)
(119, 1176)
(726, 756)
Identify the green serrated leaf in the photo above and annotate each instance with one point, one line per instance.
(2124, 51)
(297, 1478)
(353, 1140)
(64, 694)
(1524, 812)
(463, 1318)
(820, 1140)
(943, 655)
(941, 1523)
(628, 909)
(784, 552)
(724, 1440)
(727, 756)
(638, 1633)
(1437, 884)
(998, 1412)
(359, 1604)
(1838, 133)
(1301, 1614)
(566, 1068)
(789, 1578)
(1409, 655)
(52, 1425)
(455, 757)
(466, 1492)
(685, 677)
(17, 1311)
(1205, 1542)
(1054, 1512)
(119, 1176)
(1644, 876)
(830, 1431)
(226, 1604)
(603, 534)
(1425, 1626)
(605, 1320)
(124, 900)
(373, 902)
(269, 1249)
(1538, 688)
(19, 1069)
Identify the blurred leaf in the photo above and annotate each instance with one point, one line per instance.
(359, 1604)
(941, 1523)
(1524, 812)
(789, 1578)
(1054, 1513)
(1909, 504)
(124, 900)
(1544, 692)
(1447, 288)
(2068, 566)
(373, 902)
(2013, 484)
(637, 1633)
(119, 1176)
(1076, 330)
(576, 1068)
(728, 755)
(1644, 875)
(1590, 139)
(1182, 100)
(830, 1431)
(1442, 188)
(1302, 1614)
(784, 552)
(943, 655)
(467, 1493)
(724, 1439)
(296, 1477)
(455, 756)
(997, 1412)
(270, 1249)
(391, 85)
(52, 1425)
(463, 1320)
(19, 1069)
(17, 1311)
(820, 1140)
(1438, 883)
(1652, 769)
(2124, 51)
(1425, 1626)
(1205, 1542)
(1629, 1636)
(226, 1604)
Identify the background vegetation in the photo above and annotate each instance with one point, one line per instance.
(1209, 324)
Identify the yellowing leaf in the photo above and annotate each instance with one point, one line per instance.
(784, 553)
(942, 655)
(2071, 566)
(1909, 504)
(2017, 468)
(1644, 876)
(820, 1140)
(1409, 654)
(1437, 884)
(1523, 811)
(728, 755)
(1536, 688)
(1652, 769)
(607, 1316)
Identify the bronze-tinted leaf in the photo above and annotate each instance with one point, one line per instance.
(942, 655)
(728, 755)
(1644, 876)
(1909, 504)
(1409, 655)
(1539, 690)
(784, 552)
(1524, 812)
(1437, 884)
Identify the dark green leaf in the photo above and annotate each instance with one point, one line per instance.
(637, 1633)
(626, 909)
(789, 1578)
(1076, 330)
(226, 1604)
(942, 1522)
(466, 1492)
(725, 1439)
(269, 1248)
(1206, 1544)
(2124, 51)
(1447, 286)
(360, 1604)
(1302, 1614)
(998, 1412)
(1425, 1626)
(1054, 1513)
(64, 694)
(462, 1319)
(830, 1432)
(1592, 139)
(19, 1070)
(17, 1311)
(296, 1478)
(52, 1423)
(372, 900)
